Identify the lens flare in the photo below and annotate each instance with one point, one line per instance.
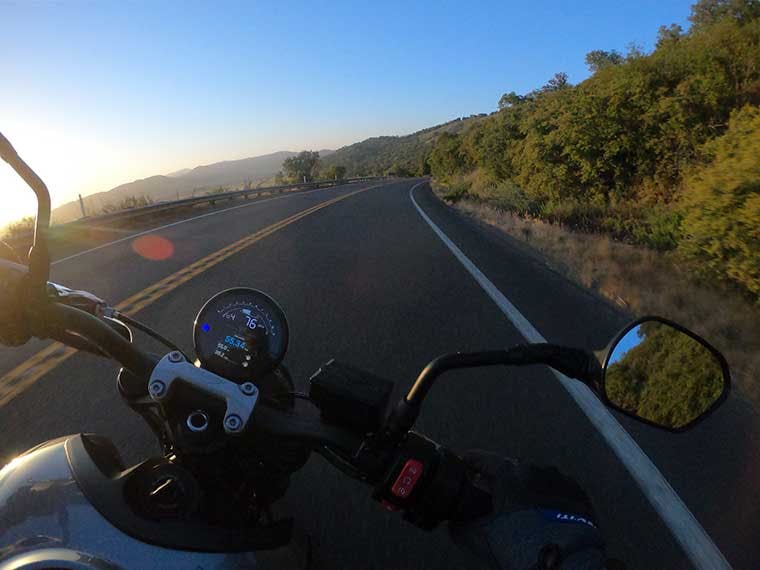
(154, 248)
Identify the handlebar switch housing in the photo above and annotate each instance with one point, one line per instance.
(350, 397)
(425, 481)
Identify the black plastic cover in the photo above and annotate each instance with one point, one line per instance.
(96, 467)
(349, 396)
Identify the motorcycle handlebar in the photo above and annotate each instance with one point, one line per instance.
(82, 330)
(452, 495)
(575, 363)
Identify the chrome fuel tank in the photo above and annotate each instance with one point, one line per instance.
(46, 521)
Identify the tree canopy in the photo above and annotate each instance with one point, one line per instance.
(599, 59)
(302, 167)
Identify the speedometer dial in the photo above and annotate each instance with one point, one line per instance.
(240, 334)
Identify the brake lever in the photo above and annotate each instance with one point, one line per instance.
(89, 303)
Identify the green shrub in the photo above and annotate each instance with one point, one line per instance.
(457, 190)
(482, 184)
(508, 196)
(661, 229)
(721, 204)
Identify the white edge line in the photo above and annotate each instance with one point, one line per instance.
(694, 540)
(158, 229)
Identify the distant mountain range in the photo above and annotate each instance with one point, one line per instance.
(373, 156)
(183, 183)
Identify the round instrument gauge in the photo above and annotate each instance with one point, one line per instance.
(240, 334)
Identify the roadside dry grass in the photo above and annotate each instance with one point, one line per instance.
(640, 282)
(17, 228)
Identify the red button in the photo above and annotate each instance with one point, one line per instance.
(407, 479)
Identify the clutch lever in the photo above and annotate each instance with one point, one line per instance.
(82, 300)
(89, 303)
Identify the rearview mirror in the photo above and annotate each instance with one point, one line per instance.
(663, 374)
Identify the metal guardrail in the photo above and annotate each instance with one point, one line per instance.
(207, 199)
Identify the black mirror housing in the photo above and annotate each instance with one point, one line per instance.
(662, 374)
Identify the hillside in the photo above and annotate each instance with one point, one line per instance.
(182, 183)
(657, 149)
(399, 154)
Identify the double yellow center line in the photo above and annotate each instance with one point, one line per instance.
(27, 373)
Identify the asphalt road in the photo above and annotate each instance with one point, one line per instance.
(367, 281)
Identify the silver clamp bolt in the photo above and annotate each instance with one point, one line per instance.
(248, 388)
(157, 388)
(232, 422)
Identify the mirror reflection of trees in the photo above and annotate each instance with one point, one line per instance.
(663, 375)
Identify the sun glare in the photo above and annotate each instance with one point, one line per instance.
(18, 199)
(66, 161)
(45, 152)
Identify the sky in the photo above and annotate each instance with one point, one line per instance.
(629, 341)
(95, 94)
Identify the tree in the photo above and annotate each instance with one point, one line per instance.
(556, 83)
(669, 34)
(634, 51)
(423, 165)
(509, 100)
(446, 158)
(722, 204)
(398, 170)
(708, 12)
(334, 172)
(599, 59)
(303, 167)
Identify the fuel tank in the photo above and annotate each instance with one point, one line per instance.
(46, 520)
